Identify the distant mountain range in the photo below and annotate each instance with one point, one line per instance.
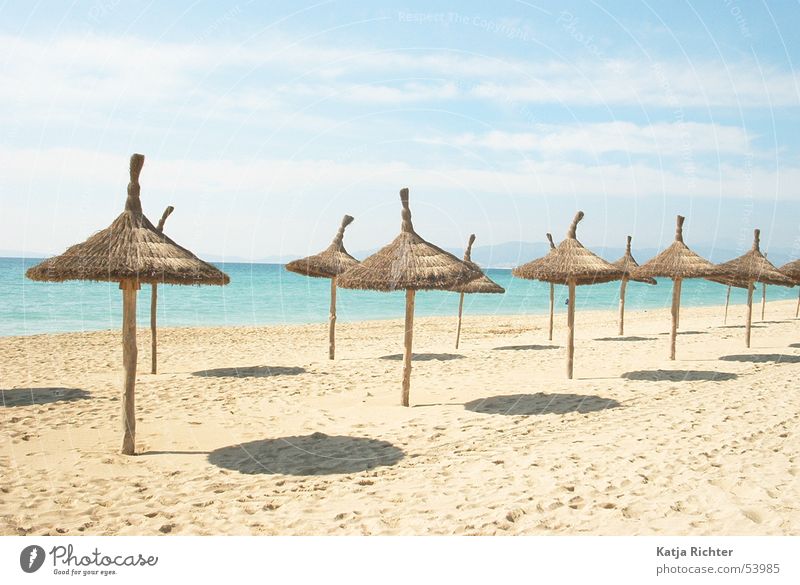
(506, 255)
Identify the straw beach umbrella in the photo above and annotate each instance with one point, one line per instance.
(408, 263)
(130, 251)
(330, 263)
(748, 269)
(154, 302)
(573, 265)
(792, 270)
(626, 264)
(677, 262)
(483, 284)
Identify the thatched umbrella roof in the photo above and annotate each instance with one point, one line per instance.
(745, 271)
(532, 266)
(677, 261)
(409, 263)
(130, 248)
(483, 284)
(332, 261)
(571, 264)
(792, 270)
(570, 261)
(628, 263)
(131, 251)
(751, 267)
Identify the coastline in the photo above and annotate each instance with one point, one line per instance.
(497, 441)
(271, 295)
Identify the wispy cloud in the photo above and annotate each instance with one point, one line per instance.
(658, 140)
(56, 78)
(75, 170)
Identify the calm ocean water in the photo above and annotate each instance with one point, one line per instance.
(262, 294)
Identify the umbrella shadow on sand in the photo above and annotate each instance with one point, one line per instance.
(425, 357)
(628, 338)
(524, 347)
(763, 358)
(34, 396)
(679, 376)
(250, 372)
(686, 333)
(795, 345)
(317, 454)
(538, 404)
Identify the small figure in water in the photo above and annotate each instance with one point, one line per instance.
(566, 301)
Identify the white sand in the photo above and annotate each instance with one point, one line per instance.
(626, 448)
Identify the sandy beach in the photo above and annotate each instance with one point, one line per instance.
(254, 431)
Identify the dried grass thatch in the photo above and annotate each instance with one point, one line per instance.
(571, 264)
(332, 261)
(131, 248)
(751, 267)
(130, 251)
(745, 271)
(570, 261)
(792, 270)
(482, 284)
(409, 263)
(677, 261)
(628, 263)
(329, 263)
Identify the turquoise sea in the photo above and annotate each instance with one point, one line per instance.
(264, 294)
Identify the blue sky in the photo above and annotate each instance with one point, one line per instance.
(263, 125)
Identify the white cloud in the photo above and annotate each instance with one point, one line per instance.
(75, 170)
(668, 140)
(661, 84)
(72, 76)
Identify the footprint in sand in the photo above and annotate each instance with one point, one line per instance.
(753, 515)
(576, 503)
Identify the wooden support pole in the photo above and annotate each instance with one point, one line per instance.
(680, 288)
(332, 322)
(750, 289)
(460, 312)
(622, 288)
(727, 302)
(409, 338)
(154, 302)
(552, 307)
(763, 300)
(153, 329)
(676, 304)
(797, 310)
(571, 329)
(129, 290)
